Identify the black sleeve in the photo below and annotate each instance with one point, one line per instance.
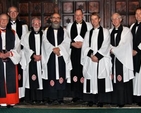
(32, 56)
(89, 53)
(139, 51)
(99, 56)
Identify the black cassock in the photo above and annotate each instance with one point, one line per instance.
(76, 87)
(33, 94)
(122, 91)
(56, 91)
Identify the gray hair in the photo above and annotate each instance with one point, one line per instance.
(36, 19)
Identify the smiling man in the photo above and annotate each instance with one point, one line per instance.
(55, 60)
(21, 28)
(9, 58)
(122, 62)
(136, 31)
(95, 58)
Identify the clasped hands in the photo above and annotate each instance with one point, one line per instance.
(56, 51)
(94, 58)
(37, 57)
(5, 55)
(77, 44)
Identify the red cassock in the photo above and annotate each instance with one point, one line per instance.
(11, 98)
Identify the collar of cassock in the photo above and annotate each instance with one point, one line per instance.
(36, 33)
(96, 28)
(137, 24)
(13, 22)
(78, 23)
(3, 30)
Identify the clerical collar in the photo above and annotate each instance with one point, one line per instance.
(13, 22)
(79, 23)
(3, 29)
(97, 27)
(138, 23)
(55, 28)
(36, 33)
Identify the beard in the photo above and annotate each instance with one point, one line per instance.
(55, 25)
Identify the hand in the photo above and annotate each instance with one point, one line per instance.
(111, 51)
(4, 55)
(112, 76)
(77, 44)
(37, 57)
(134, 52)
(7, 54)
(94, 58)
(1, 55)
(56, 51)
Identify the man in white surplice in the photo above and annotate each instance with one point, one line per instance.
(21, 28)
(31, 62)
(122, 62)
(55, 60)
(95, 59)
(136, 31)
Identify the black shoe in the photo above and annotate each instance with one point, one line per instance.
(139, 104)
(90, 104)
(99, 104)
(55, 102)
(27, 103)
(40, 103)
(120, 105)
(9, 106)
(75, 100)
(34, 103)
(61, 102)
(49, 102)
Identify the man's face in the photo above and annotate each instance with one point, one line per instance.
(78, 16)
(36, 25)
(116, 20)
(3, 21)
(56, 20)
(13, 13)
(95, 20)
(138, 15)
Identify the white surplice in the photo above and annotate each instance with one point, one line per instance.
(137, 78)
(90, 67)
(24, 31)
(47, 49)
(26, 58)
(123, 52)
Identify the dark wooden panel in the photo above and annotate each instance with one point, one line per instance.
(44, 8)
(1, 8)
(35, 8)
(67, 8)
(48, 8)
(127, 9)
(23, 8)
